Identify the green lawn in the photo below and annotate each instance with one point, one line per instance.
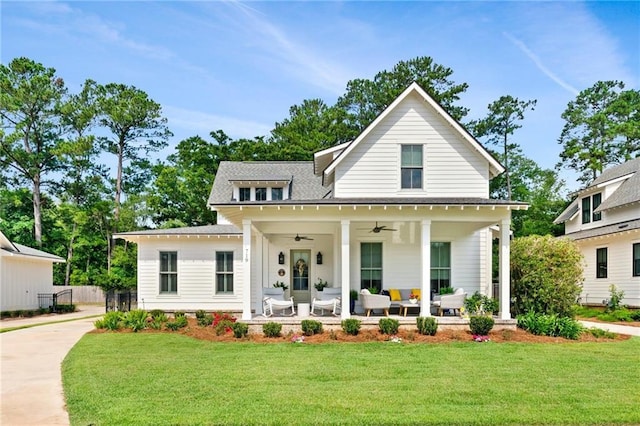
(162, 379)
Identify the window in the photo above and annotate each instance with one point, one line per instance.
(245, 194)
(168, 272)
(224, 272)
(597, 199)
(636, 260)
(276, 193)
(601, 263)
(411, 166)
(261, 194)
(586, 210)
(371, 265)
(440, 266)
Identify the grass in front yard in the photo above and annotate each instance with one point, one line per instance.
(161, 379)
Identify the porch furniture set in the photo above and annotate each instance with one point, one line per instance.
(273, 300)
(399, 298)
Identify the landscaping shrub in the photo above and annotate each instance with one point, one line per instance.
(479, 304)
(180, 321)
(272, 329)
(136, 319)
(65, 308)
(222, 322)
(311, 327)
(389, 325)
(178, 314)
(615, 297)
(99, 324)
(598, 332)
(546, 275)
(204, 320)
(351, 326)
(240, 329)
(635, 315)
(158, 313)
(112, 320)
(481, 325)
(550, 325)
(427, 325)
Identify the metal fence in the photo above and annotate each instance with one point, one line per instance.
(53, 301)
(121, 300)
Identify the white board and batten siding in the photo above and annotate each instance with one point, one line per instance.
(451, 166)
(619, 270)
(196, 268)
(21, 279)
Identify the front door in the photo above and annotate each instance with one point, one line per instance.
(300, 276)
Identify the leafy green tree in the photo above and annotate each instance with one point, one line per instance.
(30, 96)
(365, 99)
(546, 275)
(601, 129)
(498, 126)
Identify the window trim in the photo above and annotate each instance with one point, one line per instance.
(440, 268)
(596, 216)
(381, 268)
(263, 190)
(412, 168)
(224, 273)
(162, 272)
(635, 262)
(277, 188)
(602, 266)
(244, 189)
(586, 212)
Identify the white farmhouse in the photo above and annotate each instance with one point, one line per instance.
(24, 272)
(604, 219)
(405, 205)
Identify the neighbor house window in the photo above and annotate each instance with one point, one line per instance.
(245, 194)
(440, 266)
(601, 263)
(224, 272)
(636, 260)
(168, 272)
(596, 200)
(261, 194)
(276, 193)
(371, 265)
(586, 210)
(411, 166)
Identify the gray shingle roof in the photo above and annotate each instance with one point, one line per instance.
(189, 230)
(627, 193)
(605, 230)
(568, 213)
(617, 171)
(31, 252)
(305, 185)
(444, 201)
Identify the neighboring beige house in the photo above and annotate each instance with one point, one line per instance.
(604, 219)
(404, 205)
(24, 272)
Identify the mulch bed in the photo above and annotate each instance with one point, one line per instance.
(407, 336)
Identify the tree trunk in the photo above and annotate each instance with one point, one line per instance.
(506, 167)
(37, 210)
(116, 213)
(67, 274)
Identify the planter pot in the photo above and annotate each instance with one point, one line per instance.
(352, 306)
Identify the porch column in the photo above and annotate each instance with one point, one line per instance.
(261, 270)
(246, 269)
(505, 272)
(425, 288)
(344, 267)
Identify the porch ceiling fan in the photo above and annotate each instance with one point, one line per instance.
(376, 229)
(300, 238)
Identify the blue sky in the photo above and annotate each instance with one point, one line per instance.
(240, 66)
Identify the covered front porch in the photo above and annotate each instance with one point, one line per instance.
(298, 244)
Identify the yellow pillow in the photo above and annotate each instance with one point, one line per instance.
(395, 295)
(416, 292)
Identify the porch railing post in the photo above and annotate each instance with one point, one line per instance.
(505, 273)
(246, 269)
(345, 259)
(425, 306)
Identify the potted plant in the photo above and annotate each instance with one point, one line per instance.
(353, 296)
(280, 284)
(320, 285)
(446, 290)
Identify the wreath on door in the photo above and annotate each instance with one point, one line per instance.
(301, 265)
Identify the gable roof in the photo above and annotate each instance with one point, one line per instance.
(187, 230)
(494, 165)
(14, 249)
(304, 184)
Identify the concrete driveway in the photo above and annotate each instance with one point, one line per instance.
(30, 367)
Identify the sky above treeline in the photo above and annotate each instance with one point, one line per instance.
(240, 66)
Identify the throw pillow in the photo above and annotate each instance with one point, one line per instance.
(416, 291)
(395, 295)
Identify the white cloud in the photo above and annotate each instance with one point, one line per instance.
(200, 123)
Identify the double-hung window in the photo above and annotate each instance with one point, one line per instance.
(589, 205)
(411, 166)
(636, 260)
(440, 266)
(371, 265)
(601, 262)
(276, 193)
(168, 272)
(596, 201)
(245, 194)
(261, 194)
(586, 210)
(224, 272)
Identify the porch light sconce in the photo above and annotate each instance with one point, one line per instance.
(319, 258)
(281, 258)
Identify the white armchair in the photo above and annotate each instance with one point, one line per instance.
(374, 301)
(273, 300)
(328, 299)
(453, 301)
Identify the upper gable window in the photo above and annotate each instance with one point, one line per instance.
(261, 194)
(589, 204)
(411, 166)
(245, 194)
(596, 200)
